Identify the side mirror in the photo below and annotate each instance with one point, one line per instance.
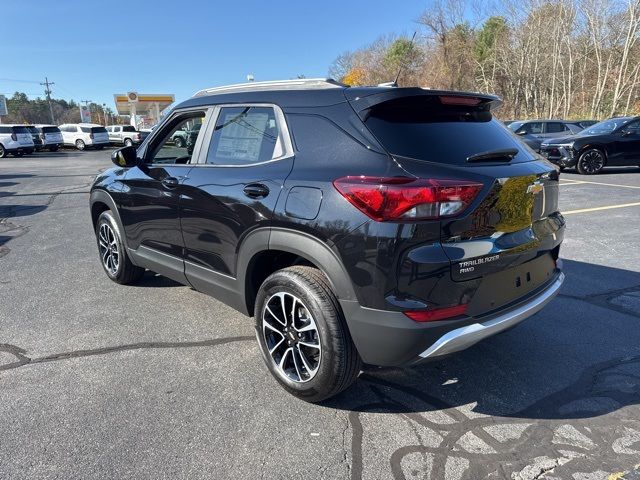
(125, 157)
(520, 132)
(626, 133)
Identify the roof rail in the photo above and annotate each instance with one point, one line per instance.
(296, 84)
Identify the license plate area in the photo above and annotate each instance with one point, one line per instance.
(502, 288)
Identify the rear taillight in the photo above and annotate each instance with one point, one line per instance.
(14, 137)
(403, 198)
(436, 313)
(91, 136)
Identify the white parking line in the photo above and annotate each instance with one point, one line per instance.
(574, 182)
(595, 209)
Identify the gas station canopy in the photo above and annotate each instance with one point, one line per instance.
(148, 105)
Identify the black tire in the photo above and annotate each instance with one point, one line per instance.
(178, 142)
(591, 162)
(337, 363)
(80, 145)
(3, 152)
(124, 272)
(128, 142)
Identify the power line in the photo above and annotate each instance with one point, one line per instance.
(47, 90)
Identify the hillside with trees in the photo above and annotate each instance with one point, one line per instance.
(545, 58)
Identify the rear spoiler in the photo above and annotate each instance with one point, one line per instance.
(363, 99)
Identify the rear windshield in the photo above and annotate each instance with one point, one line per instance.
(93, 129)
(422, 128)
(20, 130)
(50, 130)
(33, 129)
(128, 128)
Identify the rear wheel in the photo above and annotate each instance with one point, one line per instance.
(113, 255)
(128, 142)
(303, 336)
(3, 152)
(80, 144)
(590, 162)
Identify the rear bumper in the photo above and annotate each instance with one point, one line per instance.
(387, 338)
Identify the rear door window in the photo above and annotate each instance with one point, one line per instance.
(421, 129)
(556, 127)
(244, 136)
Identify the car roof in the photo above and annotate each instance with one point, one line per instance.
(314, 92)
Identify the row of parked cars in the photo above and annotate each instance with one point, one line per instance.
(25, 139)
(586, 145)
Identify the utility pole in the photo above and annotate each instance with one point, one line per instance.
(47, 91)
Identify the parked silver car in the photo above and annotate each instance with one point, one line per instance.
(126, 135)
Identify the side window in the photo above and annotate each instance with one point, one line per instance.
(175, 143)
(5, 130)
(556, 127)
(633, 128)
(245, 135)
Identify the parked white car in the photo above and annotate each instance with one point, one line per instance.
(15, 139)
(84, 135)
(51, 137)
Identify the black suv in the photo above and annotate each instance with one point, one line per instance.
(612, 142)
(375, 225)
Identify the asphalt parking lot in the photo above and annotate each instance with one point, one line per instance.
(156, 380)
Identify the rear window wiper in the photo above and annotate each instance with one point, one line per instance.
(503, 155)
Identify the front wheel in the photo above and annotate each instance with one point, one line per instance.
(590, 162)
(113, 255)
(303, 336)
(3, 152)
(80, 144)
(128, 142)
(178, 142)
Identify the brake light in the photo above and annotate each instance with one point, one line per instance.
(436, 314)
(454, 100)
(404, 198)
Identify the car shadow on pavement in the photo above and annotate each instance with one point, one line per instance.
(151, 279)
(578, 358)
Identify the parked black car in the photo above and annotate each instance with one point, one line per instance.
(613, 142)
(375, 225)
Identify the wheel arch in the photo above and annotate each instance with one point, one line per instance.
(100, 201)
(594, 146)
(268, 250)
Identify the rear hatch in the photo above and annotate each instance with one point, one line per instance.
(35, 134)
(98, 134)
(23, 136)
(503, 243)
(51, 135)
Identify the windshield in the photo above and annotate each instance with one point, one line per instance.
(606, 126)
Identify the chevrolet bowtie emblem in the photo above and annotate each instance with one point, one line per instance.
(535, 188)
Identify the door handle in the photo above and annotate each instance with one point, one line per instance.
(256, 190)
(170, 182)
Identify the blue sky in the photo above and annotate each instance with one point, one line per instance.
(92, 49)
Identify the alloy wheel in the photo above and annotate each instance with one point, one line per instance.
(291, 337)
(109, 250)
(80, 145)
(592, 161)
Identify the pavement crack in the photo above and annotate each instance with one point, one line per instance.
(23, 359)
